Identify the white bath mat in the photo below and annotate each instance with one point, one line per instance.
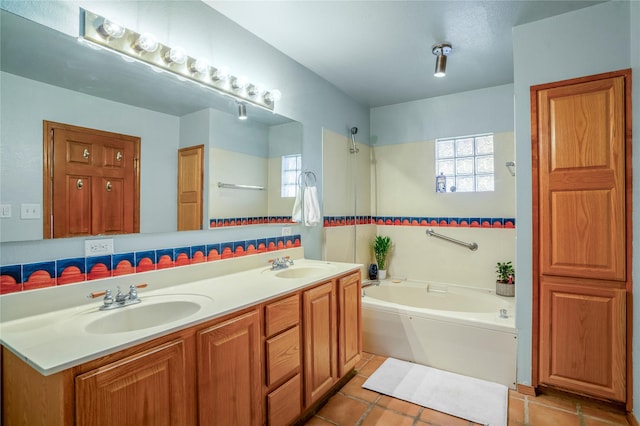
(461, 396)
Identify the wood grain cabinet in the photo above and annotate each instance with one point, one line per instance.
(582, 222)
(147, 388)
(229, 376)
(349, 322)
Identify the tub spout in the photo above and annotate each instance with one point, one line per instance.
(368, 283)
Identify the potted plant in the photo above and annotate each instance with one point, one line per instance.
(505, 283)
(381, 247)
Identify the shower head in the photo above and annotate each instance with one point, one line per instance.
(354, 148)
(354, 130)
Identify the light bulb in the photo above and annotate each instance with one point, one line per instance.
(272, 96)
(239, 82)
(175, 55)
(110, 29)
(146, 42)
(199, 66)
(254, 90)
(219, 74)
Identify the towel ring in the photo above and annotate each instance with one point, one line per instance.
(307, 177)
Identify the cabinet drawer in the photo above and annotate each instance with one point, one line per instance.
(284, 403)
(281, 315)
(283, 355)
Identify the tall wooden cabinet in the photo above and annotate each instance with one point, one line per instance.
(581, 133)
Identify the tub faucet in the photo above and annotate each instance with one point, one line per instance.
(368, 283)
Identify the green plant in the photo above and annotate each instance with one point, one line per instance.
(506, 272)
(381, 247)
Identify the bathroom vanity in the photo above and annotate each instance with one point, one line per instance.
(263, 347)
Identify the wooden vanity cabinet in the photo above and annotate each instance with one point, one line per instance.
(267, 364)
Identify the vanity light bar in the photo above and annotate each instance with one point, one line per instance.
(102, 32)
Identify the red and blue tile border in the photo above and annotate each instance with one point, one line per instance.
(244, 221)
(30, 276)
(461, 222)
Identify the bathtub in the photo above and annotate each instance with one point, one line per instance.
(449, 327)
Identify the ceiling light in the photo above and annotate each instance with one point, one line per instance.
(242, 111)
(146, 42)
(175, 55)
(441, 51)
(219, 74)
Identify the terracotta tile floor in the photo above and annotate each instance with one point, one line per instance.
(353, 405)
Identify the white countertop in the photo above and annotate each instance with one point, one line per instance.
(56, 339)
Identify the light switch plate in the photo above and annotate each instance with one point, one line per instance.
(286, 231)
(5, 210)
(29, 211)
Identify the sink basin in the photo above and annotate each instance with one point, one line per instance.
(143, 315)
(301, 272)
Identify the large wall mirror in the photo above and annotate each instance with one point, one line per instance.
(50, 76)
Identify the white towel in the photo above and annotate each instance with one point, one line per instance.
(296, 215)
(311, 206)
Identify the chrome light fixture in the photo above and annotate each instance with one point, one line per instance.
(97, 31)
(242, 111)
(441, 50)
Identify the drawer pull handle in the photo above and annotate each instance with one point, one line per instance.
(109, 186)
(79, 184)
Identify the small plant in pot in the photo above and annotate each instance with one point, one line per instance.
(505, 283)
(381, 247)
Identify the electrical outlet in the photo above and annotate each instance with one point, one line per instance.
(98, 247)
(29, 211)
(286, 231)
(5, 210)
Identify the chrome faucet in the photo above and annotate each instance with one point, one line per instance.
(121, 300)
(280, 263)
(368, 283)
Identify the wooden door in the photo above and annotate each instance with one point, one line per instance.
(349, 323)
(91, 182)
(320, 341)
(190, 184)
(229, 372)
(582, 256)
(146, 389)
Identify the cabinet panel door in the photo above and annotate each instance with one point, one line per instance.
(582, 339)
(283, 355)
(581, 131)
(350, 322)
(229, 378)
(284, 404)
(146, 389)
(320, 341)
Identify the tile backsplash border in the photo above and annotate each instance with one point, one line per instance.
(32, 276)
(462, 222)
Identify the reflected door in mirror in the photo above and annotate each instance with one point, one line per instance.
(190, 180)
(93, 185)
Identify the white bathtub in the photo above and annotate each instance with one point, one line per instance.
(452, 328)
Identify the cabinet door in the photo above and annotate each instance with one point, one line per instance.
(350, 322)
(229, 378)
(146, 389)
(582, 180)
(320, 341)
(582, 339)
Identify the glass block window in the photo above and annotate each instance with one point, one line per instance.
(291, 169)
(465, 164)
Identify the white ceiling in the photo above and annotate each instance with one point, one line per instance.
(379, 52)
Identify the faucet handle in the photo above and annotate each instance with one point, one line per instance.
(108, 298)
(133, 292)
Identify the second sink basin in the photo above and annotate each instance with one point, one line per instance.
(151, 312)
(301, 272)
